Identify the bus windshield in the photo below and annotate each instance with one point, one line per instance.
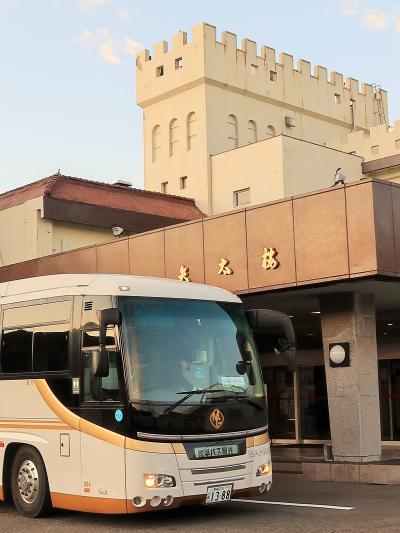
(174, 346)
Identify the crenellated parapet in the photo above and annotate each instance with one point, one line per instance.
(256, 72)
(376, 143)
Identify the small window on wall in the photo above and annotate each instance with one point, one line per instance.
(191, 130)
(337, 99)
(273, 76)
(233, 131)
(178, 63)
(375, 149)
(252, 132)
(270, 132)
(155, 143)
(160, 71)
(183, 182)
(173, 136)
(164, 187)
(241, 198)
(397, 144)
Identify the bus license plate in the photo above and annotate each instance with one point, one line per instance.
(222, 493)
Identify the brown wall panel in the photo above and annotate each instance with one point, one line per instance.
(361, 229)
(53, 264)
(146, 255)
(383, 210)
(225, 237)
(271, 227)
(82, 261)
(184, 246)
(396, 224)
(113, 258)
(320, 235)
(26, 269)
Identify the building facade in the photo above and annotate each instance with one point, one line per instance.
(204, 99)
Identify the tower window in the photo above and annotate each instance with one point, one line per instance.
(164, 187)
(160, 71)
(183, 182)
(252, 132)
(241, 198)
(253, 69)
(233, 131)
(191, 130)
(178, 63)
(337, 99)
(397, 144)
(375, 149)
(270, 132)
(173, 136)
(156, 143)
(273, 76)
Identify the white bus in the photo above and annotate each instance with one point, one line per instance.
(123, 394)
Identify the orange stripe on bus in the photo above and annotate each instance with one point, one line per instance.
(88, 504)
(30, 426)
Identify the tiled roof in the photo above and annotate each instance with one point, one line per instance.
(106, 195)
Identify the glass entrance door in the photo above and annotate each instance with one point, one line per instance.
(313, 403)
(389, 391)
(281, 402)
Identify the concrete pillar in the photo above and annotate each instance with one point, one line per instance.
(353, 391)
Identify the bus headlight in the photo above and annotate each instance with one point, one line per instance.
(158, 481)
(264, 470)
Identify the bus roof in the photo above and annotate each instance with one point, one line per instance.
(108, 284)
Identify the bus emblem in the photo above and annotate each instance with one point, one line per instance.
(217, 418)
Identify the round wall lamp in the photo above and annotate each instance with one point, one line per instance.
(339, 354)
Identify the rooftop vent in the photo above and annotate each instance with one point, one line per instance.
(122, 183)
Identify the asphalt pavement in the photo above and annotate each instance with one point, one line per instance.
(293, 505)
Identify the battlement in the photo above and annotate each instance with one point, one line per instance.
(255, 69)
(378, 142)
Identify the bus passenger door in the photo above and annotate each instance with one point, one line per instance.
(102, 427)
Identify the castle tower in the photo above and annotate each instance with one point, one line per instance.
(204, 97)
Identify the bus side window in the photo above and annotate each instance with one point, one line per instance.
(99, 389)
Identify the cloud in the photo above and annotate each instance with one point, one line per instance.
(124, 14)
(375, 19)
(103, 41)
(107, 53)
(132, 47)
(351, 8)
(85, 38)
(90, 4)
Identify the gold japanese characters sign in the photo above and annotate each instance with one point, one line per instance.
(224, 269)
(268, 262)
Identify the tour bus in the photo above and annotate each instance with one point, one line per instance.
(124, 394)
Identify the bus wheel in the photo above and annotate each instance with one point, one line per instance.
(29, 485)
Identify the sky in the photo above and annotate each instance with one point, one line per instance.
(67, 69)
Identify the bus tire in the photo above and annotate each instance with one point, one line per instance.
(29, 484)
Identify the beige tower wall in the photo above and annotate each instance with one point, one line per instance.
(277, 168)
(216, 78)
(192, 163)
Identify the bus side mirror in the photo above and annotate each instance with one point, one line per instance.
(266, 320)
(107, 317)
(100, 363)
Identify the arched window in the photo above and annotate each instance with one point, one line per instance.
(155, 143)
(270, 132)
(252, 132)
(173, 136)
(191, 130)
(233, 131)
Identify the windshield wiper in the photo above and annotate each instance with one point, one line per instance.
(189, 394)
(245, 399)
